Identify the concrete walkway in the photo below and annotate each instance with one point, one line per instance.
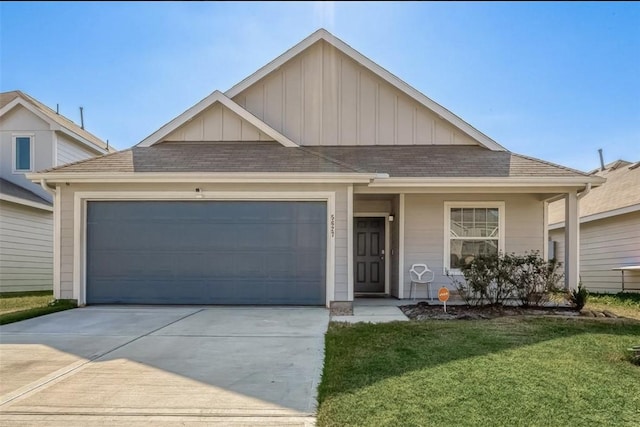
(374, 310)
(163, 366)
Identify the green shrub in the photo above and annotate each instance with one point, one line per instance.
(492, 279)
(533, 279)
(578, 297)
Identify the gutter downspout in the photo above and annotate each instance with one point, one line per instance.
(45, 187)
(586, 191)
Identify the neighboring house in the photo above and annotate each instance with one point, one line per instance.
(319, 177)
(609, 230)
(32, 137)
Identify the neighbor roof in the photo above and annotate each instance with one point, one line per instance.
(7, 97)
(269, 156)
(621, 190)
(12, 190)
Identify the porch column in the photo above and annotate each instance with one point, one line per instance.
(350, 242)
(571, 241)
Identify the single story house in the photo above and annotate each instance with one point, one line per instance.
(320, 177)
(609, 230)
(33, 137)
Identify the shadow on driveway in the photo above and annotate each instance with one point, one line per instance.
(173, 361)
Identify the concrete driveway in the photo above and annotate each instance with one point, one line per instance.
(163, 366)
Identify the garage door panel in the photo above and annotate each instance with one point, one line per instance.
(206, 252)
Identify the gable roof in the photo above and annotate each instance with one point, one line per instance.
(619, 195)
(17, 194)
(444, 161)
(455, 165)
(9, 100)
(207, 102)
(323, 34)
(221, 157)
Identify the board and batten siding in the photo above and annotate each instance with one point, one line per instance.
(424, 234)
(26, 248)
(323, 97)
(68, 151)
(217, 123)
(606, 244)
(67, 221)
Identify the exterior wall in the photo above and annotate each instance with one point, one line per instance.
(323, 97)
(67, 230)
(217, 123)
(68, 151)
(605, 244)
(26, 248)
(21, 121)
(425, 231)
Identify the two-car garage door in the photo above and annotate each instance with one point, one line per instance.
(205, 252)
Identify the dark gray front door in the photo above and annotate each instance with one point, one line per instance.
(369, 255)
(204, 252)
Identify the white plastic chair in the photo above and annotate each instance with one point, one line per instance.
(417, 273)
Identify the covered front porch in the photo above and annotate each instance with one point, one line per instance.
(389, 231)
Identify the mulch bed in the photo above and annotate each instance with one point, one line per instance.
(424, 311)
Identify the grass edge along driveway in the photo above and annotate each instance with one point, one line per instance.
(501, 372)
(16, 306)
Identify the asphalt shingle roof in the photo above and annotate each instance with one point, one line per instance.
(443, 161)
(10, 189)
(7, 97)
(397, 161)
(622, 189)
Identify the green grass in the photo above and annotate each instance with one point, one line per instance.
(623, 304)
(18, 306)
(503, 372)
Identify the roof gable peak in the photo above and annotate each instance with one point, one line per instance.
(344, 48)
(215, 97)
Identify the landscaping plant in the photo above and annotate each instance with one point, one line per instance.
(578, 297)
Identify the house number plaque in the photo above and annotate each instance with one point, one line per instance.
(333, 225)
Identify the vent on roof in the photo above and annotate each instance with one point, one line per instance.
(635, 165)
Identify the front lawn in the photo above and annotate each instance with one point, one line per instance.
(625, 304)
(502, 372)
(25, 305)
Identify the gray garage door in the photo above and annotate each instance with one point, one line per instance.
(197, 252)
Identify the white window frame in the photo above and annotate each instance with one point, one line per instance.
(447, 229)
(14, 151)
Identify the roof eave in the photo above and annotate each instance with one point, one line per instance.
(547, 181)
(600, 215)
(202, 177)
(25, 202)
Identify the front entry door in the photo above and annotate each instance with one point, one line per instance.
(369, 255)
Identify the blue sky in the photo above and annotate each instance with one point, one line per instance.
(551, 80)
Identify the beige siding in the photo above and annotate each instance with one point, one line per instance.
(67, 222)
(606, 244)
(217, 123)
(425, 229)
(26, 248)
(69, 151)
(21, 121)
(323, 97)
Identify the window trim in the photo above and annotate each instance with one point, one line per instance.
(448, 205)
(14, 150)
